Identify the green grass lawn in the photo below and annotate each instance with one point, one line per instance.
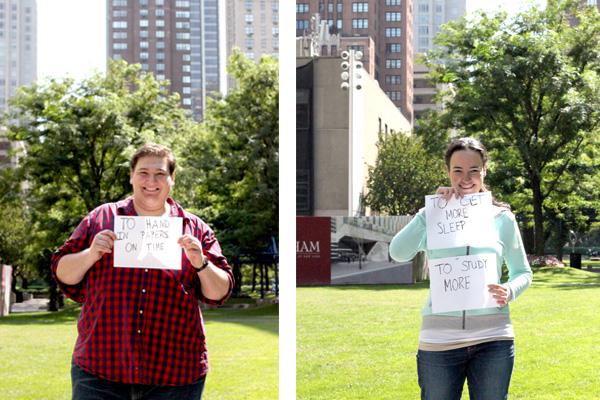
(35, 354)
(359, 342)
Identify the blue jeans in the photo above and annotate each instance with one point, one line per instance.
(486, 366)
(89, 387)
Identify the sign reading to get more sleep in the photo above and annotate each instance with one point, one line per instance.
(466, 221)
(460, 283)
(147, 242)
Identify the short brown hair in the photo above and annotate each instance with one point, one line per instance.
(154, 150)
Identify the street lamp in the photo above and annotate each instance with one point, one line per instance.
(352, 70)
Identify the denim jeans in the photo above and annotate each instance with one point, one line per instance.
(89, 387)
(486, 366)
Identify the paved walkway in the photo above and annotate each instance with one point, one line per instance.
(31, 305)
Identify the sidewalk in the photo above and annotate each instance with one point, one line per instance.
(31, 305)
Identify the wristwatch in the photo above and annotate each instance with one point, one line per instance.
(204, 265)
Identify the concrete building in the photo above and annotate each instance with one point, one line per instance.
(18, 55)
(429, 16)
(177, 40)
(332, 160)
(252, 27)
(388, 23)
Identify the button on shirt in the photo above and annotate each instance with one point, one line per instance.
(140, 326)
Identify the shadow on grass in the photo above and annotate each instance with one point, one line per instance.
(67, 315)
(565, 278)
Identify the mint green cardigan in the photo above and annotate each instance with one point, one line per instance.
(508, 249)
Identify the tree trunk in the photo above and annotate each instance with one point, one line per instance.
(538, 216)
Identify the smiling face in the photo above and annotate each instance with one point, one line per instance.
(151, 184)
(466, 171)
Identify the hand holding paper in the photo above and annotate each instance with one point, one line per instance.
(193, 249)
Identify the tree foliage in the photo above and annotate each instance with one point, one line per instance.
(404, 172)
(528, 86)
(235, 157)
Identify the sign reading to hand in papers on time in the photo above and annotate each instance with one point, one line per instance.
(147, 242)
(460, 283)
(465, 221)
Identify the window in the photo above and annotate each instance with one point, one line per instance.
(144, 3)
(187, 90)
(250, 55)
(120, 24)
(339, 24)
(144, 13)
(275, 31)
(301, 24)
(392, 16)
(392, 32)
(330, 7)
(360, 7)
(143, 23)
(183, 35)
(159, 12)
(186, 68)
(160, 67)
(301, 8)
(144, 55)
(423, 8)
(183, 46)
(187, 101)
(160, 45)
(360, 23)
(393, 48)
(144, 45)
(186, 57)
(143, 34)
(160, 2)
(182, 25)
(119, 3)
(392, 2)
(160, 56)
(186, 79)
(160, 77)
(249, 18)
(182, 14)
(182, 4)
(392, 80)
(423, 30)
(340, 7)
(119, 35)
(160, 34)
(119, 13)
(394, 96)
(249, 43)
(392, 63)
(160, 22)
(119, 46)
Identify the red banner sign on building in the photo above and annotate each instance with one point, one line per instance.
(313, 250)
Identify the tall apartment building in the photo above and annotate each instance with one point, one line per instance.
(253, 27)
(18, 54)
(177, 40)
(384, 24)
(429, 16)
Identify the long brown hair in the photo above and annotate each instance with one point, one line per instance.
(469, 143)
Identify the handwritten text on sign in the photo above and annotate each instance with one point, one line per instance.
(466, 221)
(147, 242)
(460, 283)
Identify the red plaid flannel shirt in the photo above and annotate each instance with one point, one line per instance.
(140, 326)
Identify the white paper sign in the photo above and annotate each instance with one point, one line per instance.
(466, 221)
(460, 283)
(147, 242)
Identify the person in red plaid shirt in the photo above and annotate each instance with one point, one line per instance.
(141, 334)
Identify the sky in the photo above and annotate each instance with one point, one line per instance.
(71, 38)
(72, 34)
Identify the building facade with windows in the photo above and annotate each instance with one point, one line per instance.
(429, 16)
(176, 40)
(252, 27)
(18, 55)
(388, 23)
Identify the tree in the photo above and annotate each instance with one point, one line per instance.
(235, 157)
(404, 172)
(78, 140)
(529, 88)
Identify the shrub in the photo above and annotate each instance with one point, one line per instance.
(544, 261)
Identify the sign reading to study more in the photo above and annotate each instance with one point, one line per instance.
(466, 221)
(147, 242)
(460, 283)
